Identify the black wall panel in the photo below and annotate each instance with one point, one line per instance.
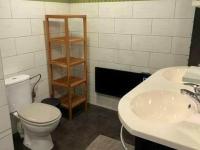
(115, 82)
(194, 58)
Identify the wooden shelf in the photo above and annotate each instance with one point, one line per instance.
(75, 100)
(63, 40)
(73, 81)
(76, 39)
(67, 63)
(62, 62)
(65, 16)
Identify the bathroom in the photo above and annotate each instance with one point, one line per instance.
(126, 37)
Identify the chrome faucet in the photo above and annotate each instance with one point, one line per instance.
(195, 94)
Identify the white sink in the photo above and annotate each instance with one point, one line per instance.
(174, 74)
(163, 106)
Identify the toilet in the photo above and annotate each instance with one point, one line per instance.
(38, 120)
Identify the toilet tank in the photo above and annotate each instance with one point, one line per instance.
(18, 90)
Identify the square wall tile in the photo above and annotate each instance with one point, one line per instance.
(43, 70)
(18, 63)
(89, 9)
(20, 9)
(152, 43)
(162, 27)
(40, 58)
(102, 54)
(123, 41)
(37, 26)
(183, 27)
(184, 9)
(1, 68)
(30, 44)
(115, 9)
(181, 45)
(93, 39)
(159, 60)
(140, 69)
(107, 40)
(3, 100)
(172, 27)
(27, 9)
(56, 8)
(93, 25)
(37, 70)
(133, 26)
(5, 9)
(37, 9)
(141, 58)
(7, 47)
(118, 41)
(14, 28)
(154, 9)
(133, 58)
(5, 125)
(101, 25)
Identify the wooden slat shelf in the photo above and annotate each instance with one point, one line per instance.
(75, 39)
(65, 16)
(62, 62)
(75, 101)
(73, 81)
(62, 39)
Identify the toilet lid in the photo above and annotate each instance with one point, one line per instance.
(39, 113)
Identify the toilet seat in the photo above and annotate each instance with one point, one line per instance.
(39, 114)
(40, 124)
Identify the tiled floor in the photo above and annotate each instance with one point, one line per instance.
(83, 129)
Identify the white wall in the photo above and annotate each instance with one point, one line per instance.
(22, 40)
(140, 36)
(134, 36)
(6, 140)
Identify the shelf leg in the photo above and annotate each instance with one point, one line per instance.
(70, 103)
(86, 104)
(70, 113)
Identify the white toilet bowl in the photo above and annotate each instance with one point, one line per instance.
(38, 121)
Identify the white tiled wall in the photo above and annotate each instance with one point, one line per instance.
(139, 36)
(6, 141)
(22, 40)
(135, 36)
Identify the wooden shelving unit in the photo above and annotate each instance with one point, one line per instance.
(67, 62)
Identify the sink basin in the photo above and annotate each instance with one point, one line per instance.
(163, 106)
(174, 74)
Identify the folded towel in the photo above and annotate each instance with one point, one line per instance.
(192, 75)
(194, 70)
